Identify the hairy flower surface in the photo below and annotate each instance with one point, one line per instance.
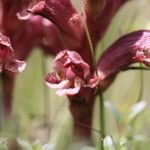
(6, 56)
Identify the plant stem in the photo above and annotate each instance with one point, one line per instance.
(101, 118)
(138, 68)
(82, 112)
(141, 84)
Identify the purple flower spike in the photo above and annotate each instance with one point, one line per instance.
(129, 49)
(71, 73)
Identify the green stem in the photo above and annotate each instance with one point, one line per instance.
(102, 118)
(141, 84)
(138, 68)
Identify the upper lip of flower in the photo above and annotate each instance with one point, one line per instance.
(66, 18)
(131, 48)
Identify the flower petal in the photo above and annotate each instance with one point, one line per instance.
(61, 85)
(129, 49)
(15, 65)
(70, 91)
(63, 14)
(6, 49)
(66, 57)
(70, 73)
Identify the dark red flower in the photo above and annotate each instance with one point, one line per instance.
(74, 77)
(96, 17)
(74, 72)
(24, 36)
(71, 73)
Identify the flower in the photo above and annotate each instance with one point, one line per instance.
(70, 77)
(7, 60)
(71, 73)
(94, 19)
(74, 72)
(72, 25)
(25, 34)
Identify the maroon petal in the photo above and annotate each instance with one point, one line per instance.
(61, 85)
(71, 91)
(6, 49)
(52, 78)
(129, 49)
(43, 29)
(15, 65)
(76, 59)
(66, 57)
(63, 14)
